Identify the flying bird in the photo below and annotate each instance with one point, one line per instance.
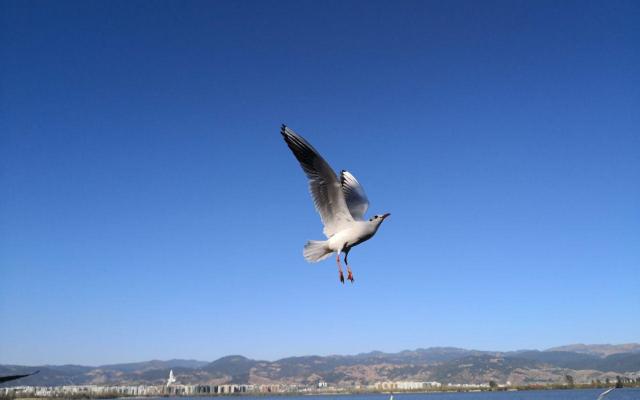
(340, 201)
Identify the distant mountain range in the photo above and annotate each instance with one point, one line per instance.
(442, 364)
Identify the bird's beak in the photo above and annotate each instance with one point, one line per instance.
(385, 215)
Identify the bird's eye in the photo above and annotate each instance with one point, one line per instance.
(376, 217)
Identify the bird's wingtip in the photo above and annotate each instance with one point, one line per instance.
(288, 132)
(284, 131)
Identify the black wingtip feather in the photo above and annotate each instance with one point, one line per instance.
(302, 150)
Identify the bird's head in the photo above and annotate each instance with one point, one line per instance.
(377, 219)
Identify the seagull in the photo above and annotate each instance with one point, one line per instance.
(341, 203)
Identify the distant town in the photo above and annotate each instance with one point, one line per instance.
(173, 388)
(420, 370)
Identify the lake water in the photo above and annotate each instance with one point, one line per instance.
(583, 394)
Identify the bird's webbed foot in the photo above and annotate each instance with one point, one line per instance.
(350, 276)
(341, 276)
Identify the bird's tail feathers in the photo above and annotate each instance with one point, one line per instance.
(316, 250)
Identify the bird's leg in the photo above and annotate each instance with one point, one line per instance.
(339, 267)
(346, 262)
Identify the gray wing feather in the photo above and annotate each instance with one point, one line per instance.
(354, 195)
(325, 189)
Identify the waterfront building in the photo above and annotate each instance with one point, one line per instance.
(405, 385)
(172, 379)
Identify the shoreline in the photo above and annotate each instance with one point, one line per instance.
(333, 393)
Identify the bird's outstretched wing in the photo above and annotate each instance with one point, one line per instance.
(323, 183)
(14, 377)
(354, 195)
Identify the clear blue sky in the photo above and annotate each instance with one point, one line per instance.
(150, 208)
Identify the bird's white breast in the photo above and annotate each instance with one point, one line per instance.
(356, 233)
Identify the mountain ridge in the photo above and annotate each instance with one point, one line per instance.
(446, 364)
(599, 349)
